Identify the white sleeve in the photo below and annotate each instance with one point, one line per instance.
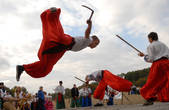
(63, 90)
(80, 92)
(90, 91)
(56, 89)
(149, 57)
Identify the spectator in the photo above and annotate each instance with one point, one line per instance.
(60, 91)
(34, 102)
(111, 93)
(75, 97)
(48, 102)
(89, 95)
(6, 99)
(41, 99)
(85, 96)
(133, 89)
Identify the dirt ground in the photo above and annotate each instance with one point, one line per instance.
(126, 100)
(156, 106)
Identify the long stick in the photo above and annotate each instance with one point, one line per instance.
(80, 79)
(129, 44)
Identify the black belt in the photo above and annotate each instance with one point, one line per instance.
(69, 47)
(59, 48)
(162, 58)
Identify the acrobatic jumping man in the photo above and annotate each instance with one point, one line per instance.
(54, 44)
(105, 78)
(158, 55)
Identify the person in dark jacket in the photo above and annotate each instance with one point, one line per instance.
(75, 97)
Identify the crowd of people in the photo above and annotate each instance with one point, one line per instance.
(21, 100)
(24, 101)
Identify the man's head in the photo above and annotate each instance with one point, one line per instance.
(95, 41)
(152, 36)
(87, 79)
(60, 83)
(41, 88)
(1, 85)
(74, 85)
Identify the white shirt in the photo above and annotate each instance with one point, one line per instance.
(18, 96)
(156, 50)
(96, 76)
(81, 43)
(90, 91)
(84, 91)
(2, 94)
(8, 96)
(60, 89)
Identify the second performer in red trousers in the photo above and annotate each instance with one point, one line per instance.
(54, 44)
(105, 78)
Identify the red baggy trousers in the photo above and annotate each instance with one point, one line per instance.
(157, 80)
(114, 82)
(163, 95)
(52, 34)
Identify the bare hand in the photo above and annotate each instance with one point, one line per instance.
(141, 54)
(53, 9)
(89, 22)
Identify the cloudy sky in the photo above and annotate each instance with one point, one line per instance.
(21, 35)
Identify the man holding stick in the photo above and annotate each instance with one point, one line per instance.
(105, 78)
(158, 79)
(158, 55)
(54, 44)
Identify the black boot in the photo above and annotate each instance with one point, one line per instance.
(98, 104)
(149, 102)
(19, 70)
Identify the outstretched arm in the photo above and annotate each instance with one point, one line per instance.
(88, 30)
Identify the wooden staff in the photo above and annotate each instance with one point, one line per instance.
(80, 79)
(129, 44)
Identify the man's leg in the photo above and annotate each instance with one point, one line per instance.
(100, 90)
(157, 79)
(116, 82)
(40, 68)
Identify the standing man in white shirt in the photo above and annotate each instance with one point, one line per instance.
(158, 55)
(60, 91)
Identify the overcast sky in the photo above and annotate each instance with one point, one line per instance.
(21, 35)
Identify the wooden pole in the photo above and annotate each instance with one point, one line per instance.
(129, 44)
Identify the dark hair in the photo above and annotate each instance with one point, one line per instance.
(60, 82)
(94, 37)
(1, 83)
(153, 36)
